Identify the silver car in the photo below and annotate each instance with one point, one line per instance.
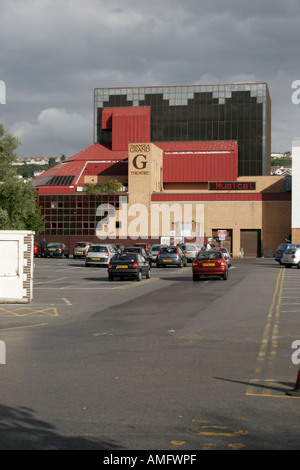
(79, 250)
(191, 251)
(291, 257)
(100, 255)
(171, 255)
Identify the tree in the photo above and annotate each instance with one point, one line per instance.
(8, 145)
(18, 199)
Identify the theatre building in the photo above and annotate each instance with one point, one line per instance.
(193, 163)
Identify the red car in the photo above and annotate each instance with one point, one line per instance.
(210, 263)
(37, 249)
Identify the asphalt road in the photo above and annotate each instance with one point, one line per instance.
(164, 364)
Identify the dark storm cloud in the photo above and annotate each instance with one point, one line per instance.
(54, 53)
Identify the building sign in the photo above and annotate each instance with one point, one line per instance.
(233, 186)
(140, 160)
(222, 234)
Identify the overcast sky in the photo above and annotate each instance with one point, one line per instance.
(53, 53)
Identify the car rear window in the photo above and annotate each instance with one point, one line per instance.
(209, 255)
(190, 247)
(125, 257)
(168, 250)
(98, 249)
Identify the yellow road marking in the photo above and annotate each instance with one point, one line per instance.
(267, 354)
(30, 311)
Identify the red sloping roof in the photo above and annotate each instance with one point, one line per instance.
(82, 163)
(189, 162)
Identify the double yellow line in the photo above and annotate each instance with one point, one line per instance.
(268, 349)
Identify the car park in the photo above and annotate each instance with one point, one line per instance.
(131, 265)
(37, 250)
(291, 257)
(190, 250)
(282, 248)
(56, 249)
(79, 250)
(170, 256)
(210, 263)
(99, 255)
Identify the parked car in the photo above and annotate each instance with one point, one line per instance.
(128, 265)
(171, 255)
(154, 250)
(137, 249)
(282, 248)
(226, 255)
(99, 255)
(210, 263)
(143, 245)
(37, 250)
(79, 250)
(190, 250)
(291, 257)
(56, 249)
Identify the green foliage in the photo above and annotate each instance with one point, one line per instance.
(285, 162)
(18, 199)
(18, 207)
(111, 187)
(27, 169)
(8, 145)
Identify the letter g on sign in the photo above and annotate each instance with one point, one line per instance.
(139, 162)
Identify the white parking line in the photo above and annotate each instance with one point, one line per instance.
(51, 280)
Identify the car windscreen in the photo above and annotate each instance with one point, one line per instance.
(80, 245)
(54, 245)
(98, 249)
(155, 248)
(189, 247)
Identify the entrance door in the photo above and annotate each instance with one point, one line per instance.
(251, 243)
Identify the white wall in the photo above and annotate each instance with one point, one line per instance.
(16, 266)
(296, 184)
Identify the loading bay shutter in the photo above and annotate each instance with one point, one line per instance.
(251, 243)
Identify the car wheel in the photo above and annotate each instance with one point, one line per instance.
(139, 276)
(148, 275)
(110, 278)
(225, 276)
(157, 265)
(195, 277)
